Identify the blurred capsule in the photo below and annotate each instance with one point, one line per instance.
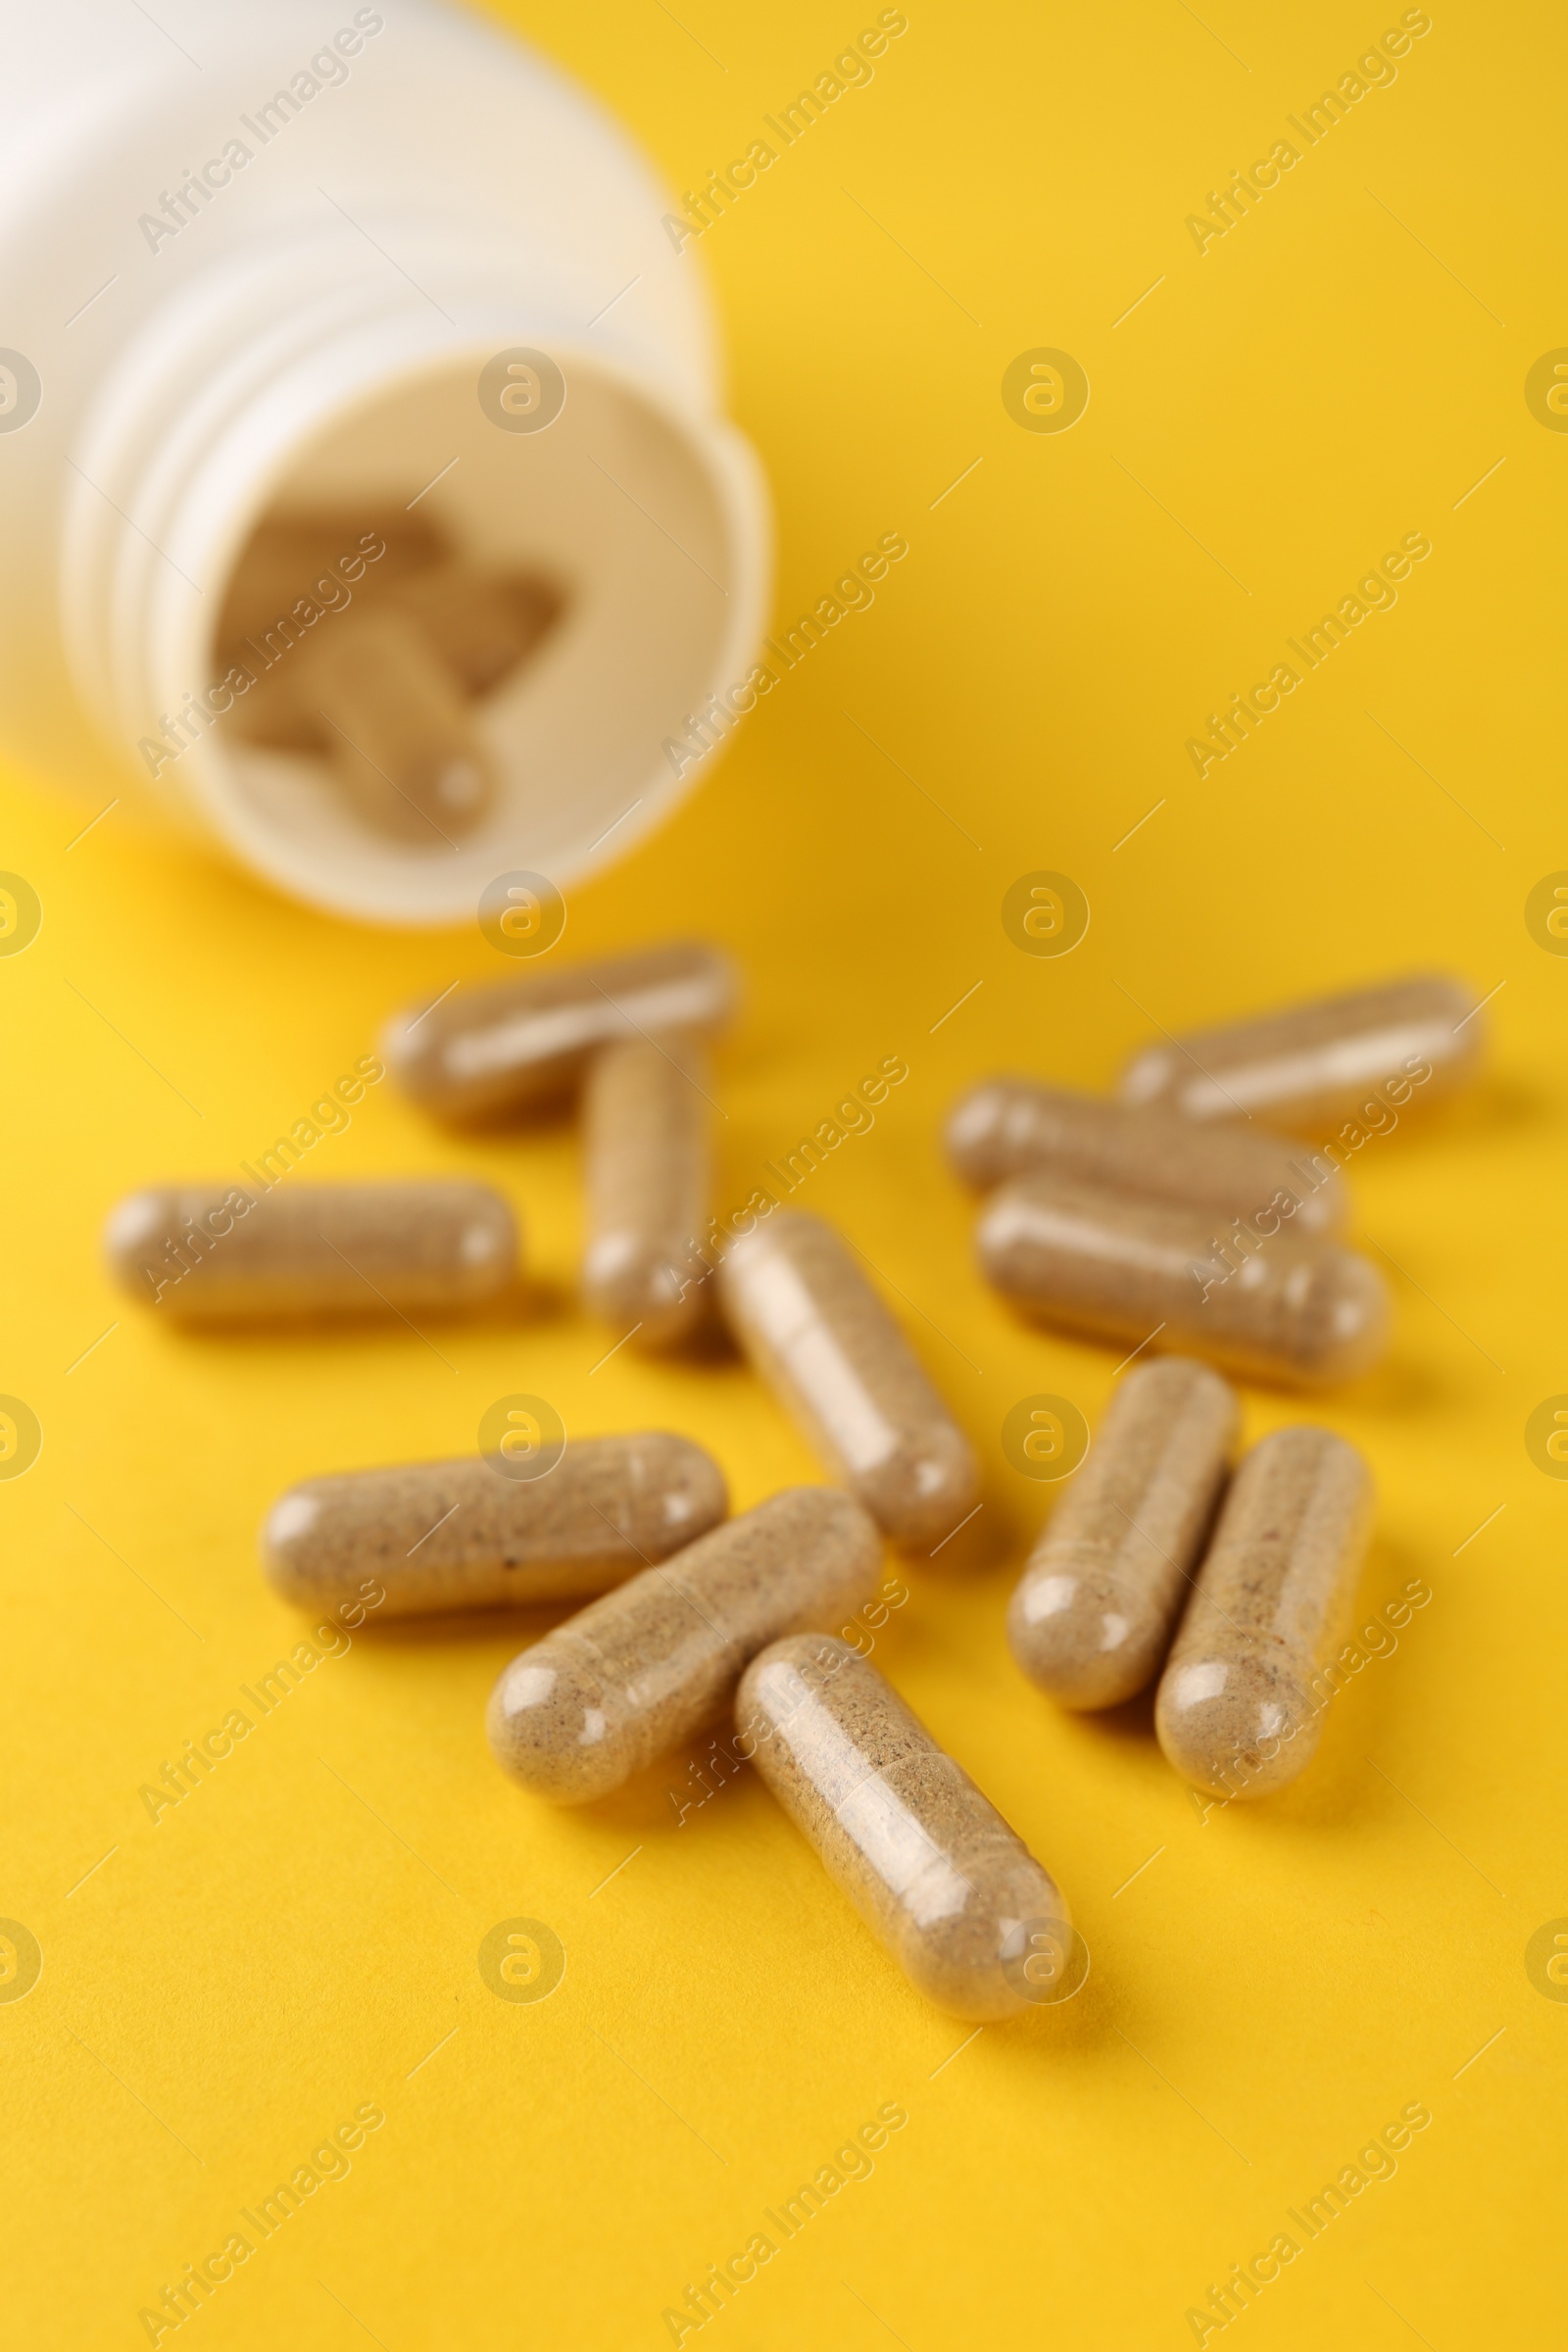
(517, 1045)
(820, 1337)
(1141, 1274)
(217, 1252)
(1241, 1701)
(1091, 1618)
(481, 624)
(650, 1665)
(458, 1535)
(395, 726)
(646, 1149)
(1010, 1127)
(1310, 1066)
(952, 1892)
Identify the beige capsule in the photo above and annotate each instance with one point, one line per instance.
(1240, 1710)
(217, 1253)
(798, 1304)
(635, 1674)
(1093, 1615)
(972, 1919)
(1310, 1066)
(1011, 1127)
(396, 727)
(1140, 1273)
(482, 625)
(645, 1148)
(519, 1045)
(463, 1535)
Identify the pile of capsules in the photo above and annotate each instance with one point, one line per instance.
(375, 668)
(1179, 1217)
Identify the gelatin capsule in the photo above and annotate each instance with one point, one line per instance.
(956, 1896)
(1241, 1701)
(1093, 1615)
(1140, 1273)
(322, 559)
(481, 624)
(216, 1252)
(463, 1535)
(1010, 1127)
(645, 1148)
(798, 1304)
(515, 1045)
(650, 1665)
(396, 727)
(1313, 1065)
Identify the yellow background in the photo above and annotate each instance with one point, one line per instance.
(294, 1938)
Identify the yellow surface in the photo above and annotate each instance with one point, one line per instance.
(295, 1940)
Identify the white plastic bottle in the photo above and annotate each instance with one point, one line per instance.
(258, 255)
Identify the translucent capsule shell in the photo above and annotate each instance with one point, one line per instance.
(939, 1877)
(1310, 1066)
(652, 1664)
(1094, 1612)
(515, 1046)
(460, 1534)
(217, 1252)
(797, 1301)
(647, 1156)
(1009, 1127)
(1139, 1273)
(1240, 1709)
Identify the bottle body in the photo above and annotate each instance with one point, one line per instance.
(274, 286)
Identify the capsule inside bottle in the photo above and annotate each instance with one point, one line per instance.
(646, 1149)
(1140, 1273)
(954, 1895)
(515, 1047)
(1009, 1127)
(1241, 1704)
(1093, 1615)
(653, 1664)
(216, 1252)
(1364, 1056)
(808, 1319)
(464, 1535)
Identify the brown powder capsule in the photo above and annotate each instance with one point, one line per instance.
(1010, 1127)
(646, 1149)
(818, 1334)
(396, 727)
(1241, 1702)
(482, 625)
(215, 1253)
(518, 1045)
(1313, 1065)
(952, 1892)
(1139, 1273)
(1091, 1618)
(650, 1665)
(464, 1534)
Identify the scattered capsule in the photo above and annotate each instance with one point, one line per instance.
(1312, 1065)
(1091, 1618)
(956, 1896)
(517, 1045)
(323, 559)
(216, 1252)
(646, 1146)
(650, 1665)
(1140, 1273)
(824, 1343)
(463, 1536)
(1010, 1127)
(1241, 1701)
